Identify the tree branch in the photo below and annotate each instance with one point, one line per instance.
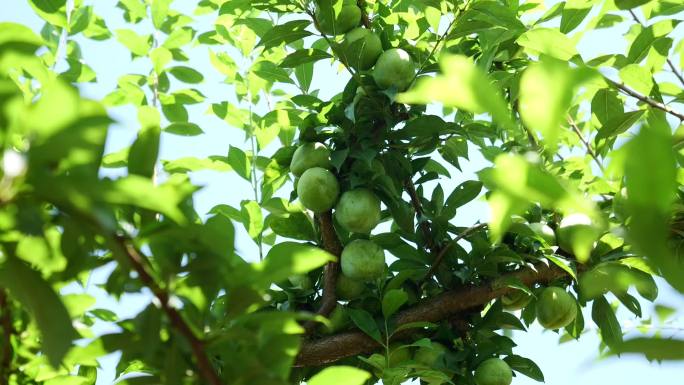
(651, 102)
(327, 350)
(587, 145)
(331, 244)
(7, 331)
(139, 263)
(442, 253)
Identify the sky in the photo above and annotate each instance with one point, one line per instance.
(565, 364)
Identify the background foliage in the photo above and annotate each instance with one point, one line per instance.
(562, 134)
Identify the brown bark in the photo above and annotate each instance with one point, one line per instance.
(327, 350)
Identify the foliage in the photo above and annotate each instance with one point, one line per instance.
(562, 136)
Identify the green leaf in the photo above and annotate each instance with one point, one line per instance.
(252, 218)
(563, 264)
(53, 320)
(364, 321)
(616, 278)
(49, 6)
(187, 164)
(285, 33)
(462, 85)
(638, 78)
(295, 225)
(183, 129)
(239, 162)
(653, 348)
(143, 153)
(159, 11)
(629, 4)
(340, 375)
(139, 45)
(179, 37)
(525, 366)
(270, 72)
(392, 301)
(548, 41)
(546, 93)
(303, 56)
(604, 317)
(647, 37)
(17, 37)
(651, 183)
(618, 124)
(287, 259)
(606, 105)
(462, 194)
(186, 74)
(574, 12)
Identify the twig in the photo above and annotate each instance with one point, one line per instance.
(424, 224)
(442, 253)
(669, 61)
(7, 331)
(331, 244)
(365, 20)
(139, 263)
(442, 307)
(590, 150)
(651, 102)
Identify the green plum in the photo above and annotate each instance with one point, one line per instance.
(544, 232)
(394, 68)
(318, 189)
(331, 23)
(515, 300)
(363, 260)
(493, 371)
(429, 356)
(361, 48)
(555, 308)
(348, 289)
(358, 210)
(310, 155)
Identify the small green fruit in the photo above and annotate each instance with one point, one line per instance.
(555, 308)
(318, 189)
(361, 48)
(493, 371)
(358, 211)
(348, 289)
(329, 23)
(394, 68)
(363, 260)
(430, 356)
(310, 155)
(515, 300)
(301, 281)
(545, 232)
(575, 232)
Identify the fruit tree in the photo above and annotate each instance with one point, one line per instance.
(414, 179)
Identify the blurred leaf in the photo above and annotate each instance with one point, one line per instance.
(653, 348)
(340, 375)
(184, 129)
(462, 85)
(139, 45)
(53, 320)
(548, 41)
(616, 278)
(287, 259)
(285, 33)
(49, 6)
(629, 4)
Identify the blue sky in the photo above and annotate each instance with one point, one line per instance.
(566, 364)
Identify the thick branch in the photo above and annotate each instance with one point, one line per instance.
(645, 99)
(139, 264)
(442, 307)
(331, 244)
(7, 330)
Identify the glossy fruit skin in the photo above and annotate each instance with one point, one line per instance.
(358, 211)
(361, 48)
(348, 17)
(363, 260)
(310, 155)
(348, 289)
(572, 226)
(555, 308)
(515, 300)
(544, 232)
(318, 189)
(394, 68)
(493, 371)
(429, 356)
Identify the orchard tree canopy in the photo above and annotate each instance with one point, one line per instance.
(365, 263)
